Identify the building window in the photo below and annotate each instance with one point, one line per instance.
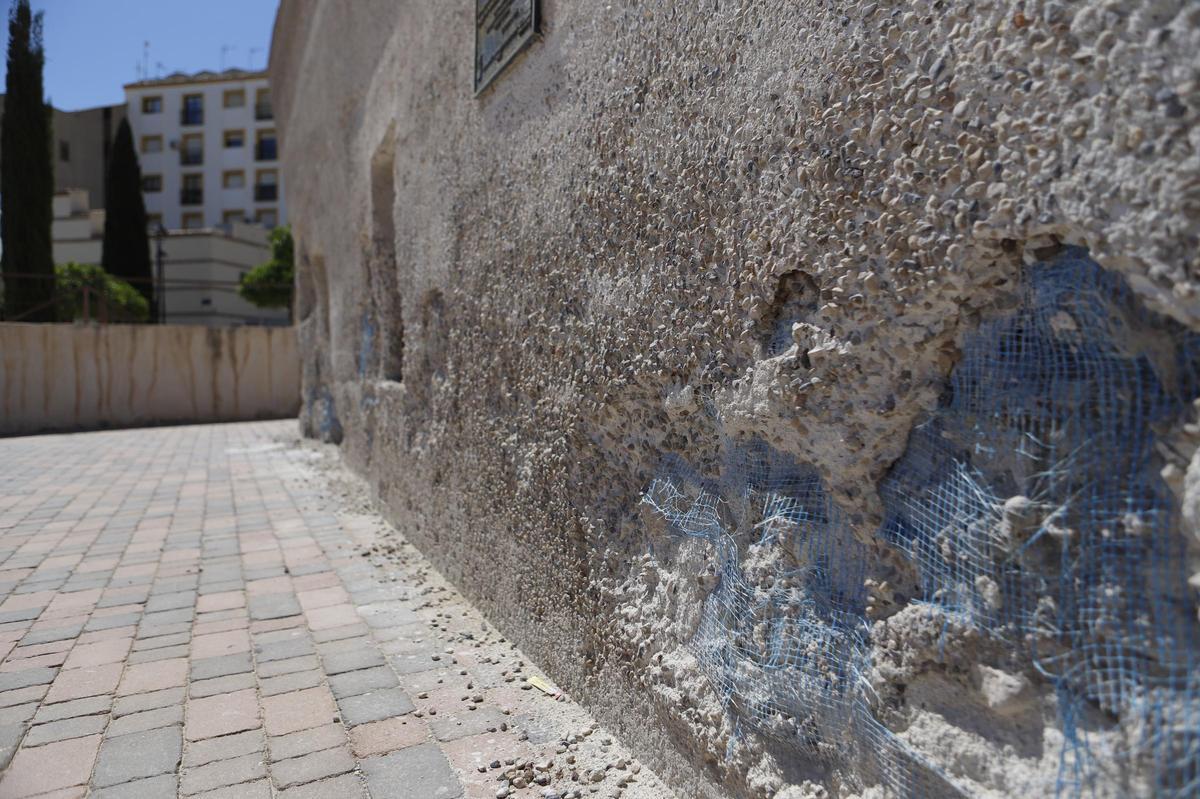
(235, 98)
(64, 151)
(262, 105)
(191, 153)
(266, 186)
(193, 190)
(193, 110)
(152, 144)
(234, 179)
(235, 138)
(266, 149)
(151, 184)
(153, 221)
(193, 221)
(151, 105)
(229, 217)
(267, 217)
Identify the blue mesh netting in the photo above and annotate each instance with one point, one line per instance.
(1032, 507)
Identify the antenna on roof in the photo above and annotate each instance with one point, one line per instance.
(145, 60)
(253, 52)
(160, 69)
(226, 49)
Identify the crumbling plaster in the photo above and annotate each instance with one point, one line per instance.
(608, 250)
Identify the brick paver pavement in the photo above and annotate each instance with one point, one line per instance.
(178, 618)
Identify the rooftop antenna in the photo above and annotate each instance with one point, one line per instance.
(253, 52)
(145, 60)
(160, 69)
(226, 49)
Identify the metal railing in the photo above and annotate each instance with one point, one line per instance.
(167, 301)
(191, 116)
(191, 157)
(266, 193)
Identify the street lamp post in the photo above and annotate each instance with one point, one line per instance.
(159, 257)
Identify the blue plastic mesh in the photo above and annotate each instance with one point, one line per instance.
(1032, 507)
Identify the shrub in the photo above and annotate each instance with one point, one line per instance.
(109, 297)
(269, 285)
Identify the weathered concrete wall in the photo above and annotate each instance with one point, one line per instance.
(673, 229)
(71, 377)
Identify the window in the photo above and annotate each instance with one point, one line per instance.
(152, 144)
(262, 105)
(229, 217)
(153, 221)
(193, 190)
(235, 98)
(234, 179)
(151, 184)
(193, 110)
(266, 150)
(193, 221)
(151, 105)
(64, 151)
(235, 138)
(266, 186)
(267, 217)
(191, 153)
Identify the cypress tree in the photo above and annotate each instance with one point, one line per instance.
(126, 252)
(26, 174)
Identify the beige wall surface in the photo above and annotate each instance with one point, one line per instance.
(66, 377)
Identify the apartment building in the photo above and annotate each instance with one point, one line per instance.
(81, 146)
(208, 149)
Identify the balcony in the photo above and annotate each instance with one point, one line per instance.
(263, 111)
(266, 193)
(191, 197)
(191, 116)
(266, 150)
(191, 157)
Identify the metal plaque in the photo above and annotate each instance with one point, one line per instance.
(503, 28)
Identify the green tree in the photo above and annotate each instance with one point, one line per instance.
(26, 174)
(86, 291)
(269, 285)
(126, 252)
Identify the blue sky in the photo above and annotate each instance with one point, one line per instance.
(95, 47)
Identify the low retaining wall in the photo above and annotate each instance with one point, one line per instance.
(69, 377)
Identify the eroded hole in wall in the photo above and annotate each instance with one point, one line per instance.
(382, 267)
(796, 298)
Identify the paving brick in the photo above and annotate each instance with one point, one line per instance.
(10, 739)
(80, 683)
(259, 789)
(346, 657)
(138, 755)
(280, 650)
(51, 767)
(220, 685)
(295, 744)
(98, 654)
(146, 720)
(222, 714)
(275, 668)
(299, 710)
(208, 668)
(374, 706)
(20, 696)
(138, 703)
(348, 786)
(420, 770)
(273, 606)
(381, 737)
(200, 753)
(222, 773)
(78, 727)
(311, 767)
(161, 787)
(291, 682)
(354, 683)
(73, 709)
(156, 676)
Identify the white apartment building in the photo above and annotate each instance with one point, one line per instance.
(208, 149)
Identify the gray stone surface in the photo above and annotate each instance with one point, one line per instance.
(141, 754)
(374, 706)
(416, 771)
(311, 767)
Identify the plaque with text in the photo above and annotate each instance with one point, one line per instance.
(503, 28)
